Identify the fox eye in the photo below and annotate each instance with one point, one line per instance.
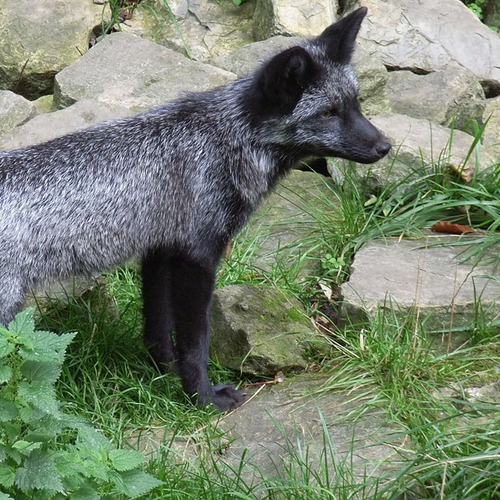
(327, 114)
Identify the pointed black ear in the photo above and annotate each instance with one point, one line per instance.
(279, 84)
(339, 38)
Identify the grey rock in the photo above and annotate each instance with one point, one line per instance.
(287, 421)
(201, 30)
(257, 330)
(443, 97)
(244, 60)
(491, 136)
(281, 234)
(105, 73)
(51, 125)
(427, 275)
(41, 38)
(372, 78)
(297, 18)
(427, 36)
(14, 110)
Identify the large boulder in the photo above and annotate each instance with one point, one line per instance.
(48, 126)
(258, 330)
(197, 28)
(428, 36)
(38, 39)
(14, 110)
(296, 18)
(446, 97)
(105, 74)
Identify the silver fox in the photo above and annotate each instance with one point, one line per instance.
(173, 185)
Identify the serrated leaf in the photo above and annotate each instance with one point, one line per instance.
(43, 372)
(124, 460)
(5, 373)
(23, 324)
(91, 438)
(7, 476)
(39, 394)
(11, 430)
(6, 347)
(135, 483)
(47, 346)
(23, 481)
(85, 493)
(40, 472)
(26, 447)
(4, 496)
(8, 410)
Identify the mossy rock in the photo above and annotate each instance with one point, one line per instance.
(259, 330)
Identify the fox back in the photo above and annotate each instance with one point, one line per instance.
(173, 185)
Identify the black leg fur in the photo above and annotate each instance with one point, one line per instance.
(192, 287)
(177, 294)
(157, 309)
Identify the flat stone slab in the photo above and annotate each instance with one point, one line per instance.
(426, 274)
(282, 422)
(427, 36)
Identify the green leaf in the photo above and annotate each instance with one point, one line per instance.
(135, 483)
(124, 460)
(23, 324)
(43, 372)
(39, 394)
(26, 447)
(40, 472)
(6, 347)
(7, 476)
(91, 438)
(4, 496)
(11, 430)
(5, 373)
(47, 346)
(85, 493)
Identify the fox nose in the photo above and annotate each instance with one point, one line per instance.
(383, 148)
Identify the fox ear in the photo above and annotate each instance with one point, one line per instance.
(280, 83)
(339, 38)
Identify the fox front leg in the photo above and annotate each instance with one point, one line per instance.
(177, 294)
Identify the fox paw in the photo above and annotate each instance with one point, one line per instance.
(226, 397)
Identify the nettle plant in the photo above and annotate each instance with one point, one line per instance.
(44, 452)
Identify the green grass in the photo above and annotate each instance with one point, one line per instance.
(450, 442)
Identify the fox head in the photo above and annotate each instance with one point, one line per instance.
(306, 98)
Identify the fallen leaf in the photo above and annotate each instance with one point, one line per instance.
(450, 228)
(466, 173)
